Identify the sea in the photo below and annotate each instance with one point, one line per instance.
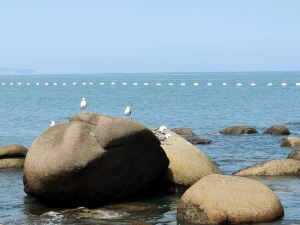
(204, 102)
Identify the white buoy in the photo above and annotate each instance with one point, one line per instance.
(297, 84)
(283, 84)
(209, 84)
(239, 84)
(170, 84)
(3, 84)
(84, 83)
(101, 83)
(74, 83)
(269, 84)
(46, 84)
(19, 83)
(162, 128)
(91, 83)
(124, 83)
(11, 83)
(253, 84)
(196, 84)
(54, 84)
(28, 84)
(158, 84)
(135, 84)
(37, 84)
(182, 84)
(146, 84)
(83, 104)
(224, 84)
(52, 123)
(64, 84)
(113, 83)
(127, 111)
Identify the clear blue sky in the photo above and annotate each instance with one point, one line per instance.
(77, 36)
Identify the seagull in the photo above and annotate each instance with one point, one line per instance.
(52, 123)
(83, 104)
(162, 128)
(167, 136)
(127, 111)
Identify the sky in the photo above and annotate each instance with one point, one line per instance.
(131, 36)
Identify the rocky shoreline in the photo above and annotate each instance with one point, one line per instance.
(94, 159)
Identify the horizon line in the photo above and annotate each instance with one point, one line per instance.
(146, 73)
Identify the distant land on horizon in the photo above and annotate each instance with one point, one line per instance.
(11, 71)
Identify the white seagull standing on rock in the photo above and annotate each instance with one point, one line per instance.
(83, 104)
(52, 123)
(162, 128)
(127, 111)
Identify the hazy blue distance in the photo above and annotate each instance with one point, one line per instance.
(90, 36)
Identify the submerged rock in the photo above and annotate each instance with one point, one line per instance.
(295, 154)
(290, 142)
(279, 167)
(183, 131)
(277, 130)
(218, 199)
(195, 140)
(188, 164)
(12, 156)
(238, 130)
(190, 136)
(11, 163)
(93, 159)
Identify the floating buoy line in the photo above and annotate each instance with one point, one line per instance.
(182, 84)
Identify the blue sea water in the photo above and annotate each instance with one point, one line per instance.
(26, 110)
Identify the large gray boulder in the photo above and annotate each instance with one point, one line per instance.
(188, 164)
(93, 159)
(279, 167)
(238, 130)
(277, 130)
(12, 156)
(218, 199)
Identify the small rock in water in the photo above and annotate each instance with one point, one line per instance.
(12, 156)
(295, 154)
(238, 130)
(277, 130)
(195, 140)
(290, 142)
(190, 136)
(278, 167)
(182, 131)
